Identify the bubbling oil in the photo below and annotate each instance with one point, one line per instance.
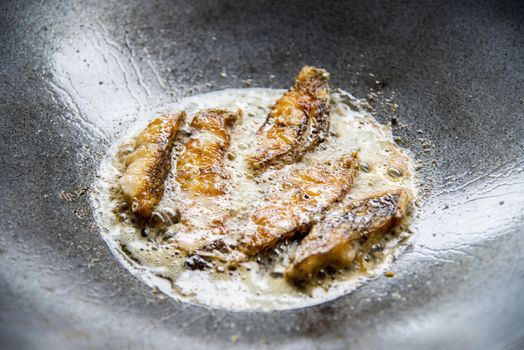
(156, 253)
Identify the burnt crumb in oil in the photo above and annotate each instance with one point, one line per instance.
(218, 245)
(196, 262)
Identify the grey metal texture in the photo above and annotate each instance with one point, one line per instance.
(74, 73)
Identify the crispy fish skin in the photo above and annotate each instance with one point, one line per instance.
(297, 122)
(337, 239)
(302, 196)
(148, 165)
(200, 166)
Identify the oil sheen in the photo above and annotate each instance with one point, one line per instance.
(157, 254)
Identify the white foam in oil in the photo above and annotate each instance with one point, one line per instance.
(158, 259)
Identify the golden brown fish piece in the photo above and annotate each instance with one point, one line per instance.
(148, 165)
(300, 198)
(337, 239)
(200, 166)
(297, 122)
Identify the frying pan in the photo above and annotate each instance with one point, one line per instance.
(74, 75)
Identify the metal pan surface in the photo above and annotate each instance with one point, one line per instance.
(74, 74)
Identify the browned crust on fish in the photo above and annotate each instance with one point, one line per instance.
(148, 165)
(302, 196)
(200, 166)
(297, 122)
(336, 240)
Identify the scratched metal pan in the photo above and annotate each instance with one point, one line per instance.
(74, 74)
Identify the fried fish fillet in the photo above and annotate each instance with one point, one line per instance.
(337, 239)
(297, 122)
(301, 197)
(148, 165)
(200, 166)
